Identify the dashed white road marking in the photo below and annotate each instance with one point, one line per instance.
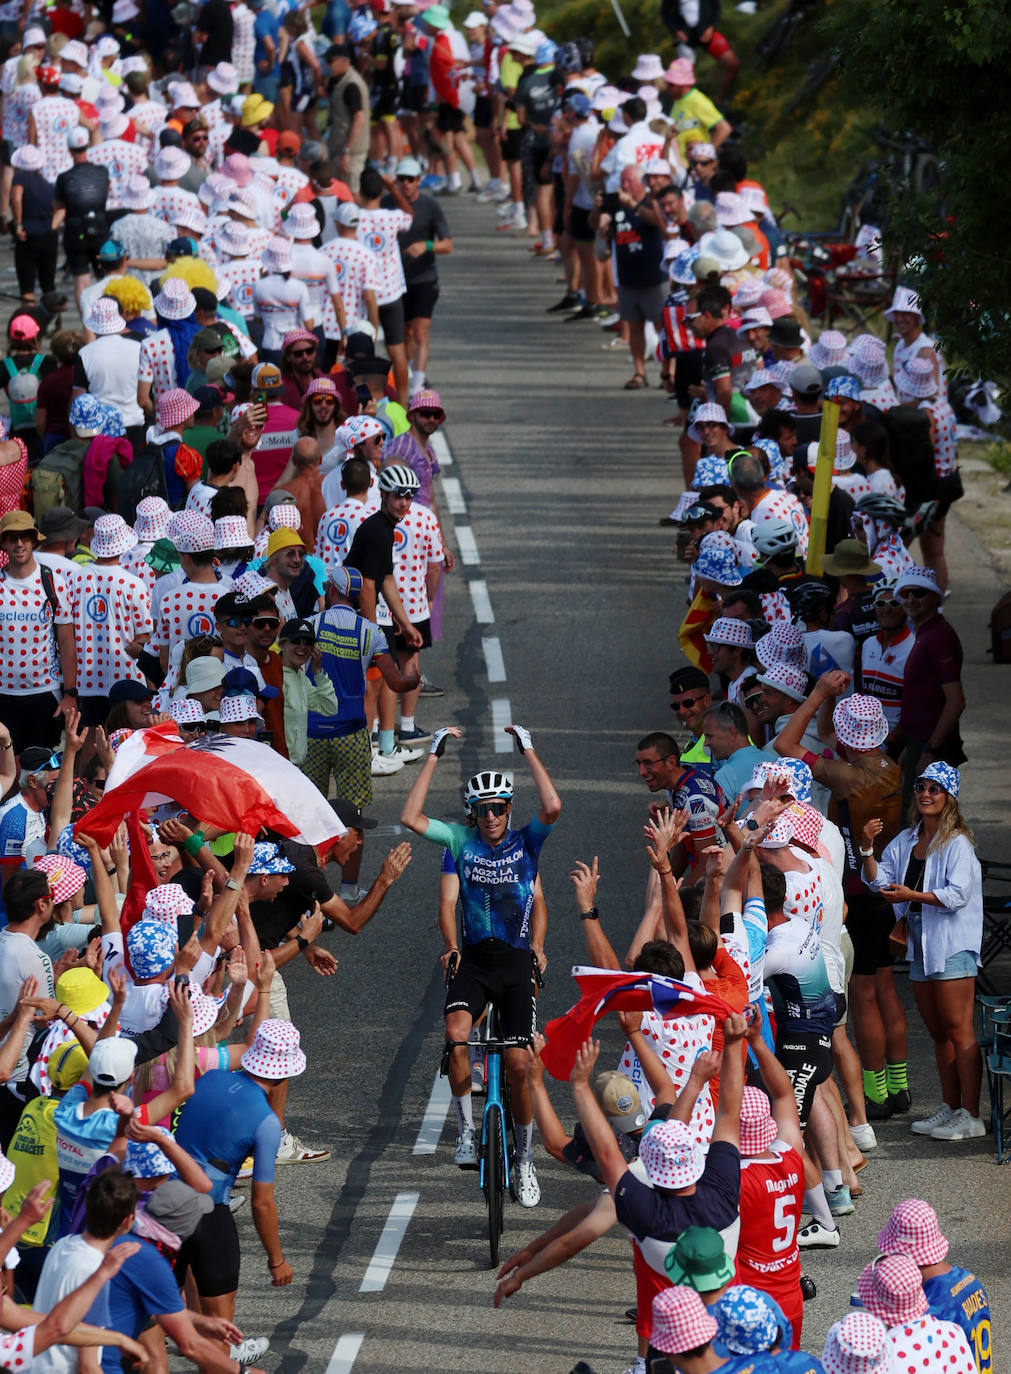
(385, 1253)
(467, 545)
(493, 659)
(441, 447)
(344, 1355)
(483, 613)
(501, 716)
(435, 1116)
(455, 503)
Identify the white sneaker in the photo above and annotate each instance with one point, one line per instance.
(250, 1350)
(520, 220)
(245, 1170)
(506, 208)
(961, 1125)
(528, 1190)
(405, 755)
(488, 193)
(814, 1236)
(292, 1151)
(928, 1124)
(466, 1149)
(385, 764)
(864, 1137)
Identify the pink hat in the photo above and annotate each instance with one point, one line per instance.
(302, 222)
(805, 824)
(788, 678)
(757, 317)
(426, 399)
(151, 520)
(174, 407)
(776, 302)
(284, 516)
(215, 190)
(731, 209)
(112, 537)
(323, 386)
(681, 1320)
(205, 1011)
(104, 317)
(829, 350)
(138, 195)
(758, 1129)
(671, 1156)
(860, 723)
(916, 379)
(784, 644)
(28, 158)
(186, 711)
(868, 359)
(276, 257)
(295, 336)
(231, 532)
(167, 901)
(235, 710)
(115, 126)
(233, 239)
(856, 1345)
(66, 878)
(74, 52)
(892, 1289)
(236, 167)
(190, 216)
(681, 72)
(912, 1230)
(780, 280)
(171, 164)
(727, 630)
(191, 531)
(749, 293)
(183, 96)
(223, 79)
(276, 1051)
(175, 300)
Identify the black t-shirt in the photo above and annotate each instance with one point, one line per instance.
(723, 356)
(808, 428)
(215, 19)
(429, 223)
(84, 190)
(638, 249)
(307, 885)
(371, 549)
(36, 202)
(243, 141)
(536, 94)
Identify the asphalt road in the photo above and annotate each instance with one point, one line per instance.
(561, 479)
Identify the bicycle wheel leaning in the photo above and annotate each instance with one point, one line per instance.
(493, 1176)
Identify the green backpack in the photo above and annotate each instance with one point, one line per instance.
(22, 412)
(59, 478)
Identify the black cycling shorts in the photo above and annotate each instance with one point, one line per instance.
(511, 141)
(419, 300)
(483, 115)
(424, 628)
(579, 225)
(869, 920)
(391, 317)
(493, 971)
(807, 1060)
(211, 1254)
(449, 120)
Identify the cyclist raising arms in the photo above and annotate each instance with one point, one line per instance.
(497, 867)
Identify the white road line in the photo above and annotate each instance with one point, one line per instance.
(483, 613)
(434, 1118)
(385, 1253)
(468, 545)
(438, 442)
(501, 716)
(344, 1355)
(454, 496)
(493, 659)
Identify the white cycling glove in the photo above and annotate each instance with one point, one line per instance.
(522, 737)
(438, 745)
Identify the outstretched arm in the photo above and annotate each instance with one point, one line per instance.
(550, 802)
(596, 1128)
(776, 1080)
(413, 814)
(598, 947)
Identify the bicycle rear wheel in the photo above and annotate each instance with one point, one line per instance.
(494, 1177)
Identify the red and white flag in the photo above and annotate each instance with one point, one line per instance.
(236, 784)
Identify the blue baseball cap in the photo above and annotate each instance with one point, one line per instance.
(240, 681)
(111, 251)
(579, 103)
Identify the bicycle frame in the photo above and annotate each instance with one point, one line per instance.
(497, 1096)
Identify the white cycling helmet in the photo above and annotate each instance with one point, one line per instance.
(487, 786)
(398, 477)
(774, 537)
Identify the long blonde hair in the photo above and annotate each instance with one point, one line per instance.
(952, 823)
(144, 1072)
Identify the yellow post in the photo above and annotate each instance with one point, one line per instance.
(822, 487)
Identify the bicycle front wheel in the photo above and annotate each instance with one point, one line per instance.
(494, 1177)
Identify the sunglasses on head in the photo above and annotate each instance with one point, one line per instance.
(932, 789)
(491, 808)
(686, 703)
(264, 622)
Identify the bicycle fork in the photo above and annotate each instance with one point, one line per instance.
(493, 1087)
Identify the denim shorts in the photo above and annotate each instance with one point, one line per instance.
(962, 964)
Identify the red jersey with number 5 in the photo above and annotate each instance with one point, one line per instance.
(772, 1199)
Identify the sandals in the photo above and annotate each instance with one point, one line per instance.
(637, 383)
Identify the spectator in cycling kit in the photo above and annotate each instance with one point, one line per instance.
(497, 869)
(688, 789)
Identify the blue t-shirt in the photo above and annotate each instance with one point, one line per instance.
(732, 773)
(496, 884)
(145, 1287)
(265, 26)
(348, 643)
(227, 1118)
(80, 1142)
(960, 1298)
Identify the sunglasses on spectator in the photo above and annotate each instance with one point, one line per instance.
(98, 785)
(431, 414)
(889, 601)
(193, 727)
(302, 352)
(234, 622)
(686, 703)
(403, 178)
(914, 594)
(702, 162)
(930, 788)
(754, 701)
(264, 622)
(330, 400)
(212, 351)
(304, 641)
(491, 808)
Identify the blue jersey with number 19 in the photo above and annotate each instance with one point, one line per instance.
(960, 1298)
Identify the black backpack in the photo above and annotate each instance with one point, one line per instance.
(912, 453)
(144, 477)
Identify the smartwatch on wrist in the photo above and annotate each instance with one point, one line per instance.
(302, 942)
(591, 915)
(232, 885)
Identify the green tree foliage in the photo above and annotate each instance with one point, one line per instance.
(940, 70)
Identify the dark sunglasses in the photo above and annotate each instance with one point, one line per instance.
(302, 353)
(914, 594)
(686, 703)
(754, 701)
(98, 785)
(330, 400)
(303, 640)
(431, 414)
(402, 178)
(234, 622)
(193, 727)
(932, 789)
(264, 622)
(491, 808)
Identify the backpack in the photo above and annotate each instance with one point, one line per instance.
(912, 453)
(22, 412)
(144, 477)
(1000, 630)
(59, 478)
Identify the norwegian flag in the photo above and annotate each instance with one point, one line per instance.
(606, 990)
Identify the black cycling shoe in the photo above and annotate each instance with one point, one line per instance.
(570, 301)
(631, 1314)
(807, 1288)
(585, 312)
(878, 1111)
(900, 1102)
